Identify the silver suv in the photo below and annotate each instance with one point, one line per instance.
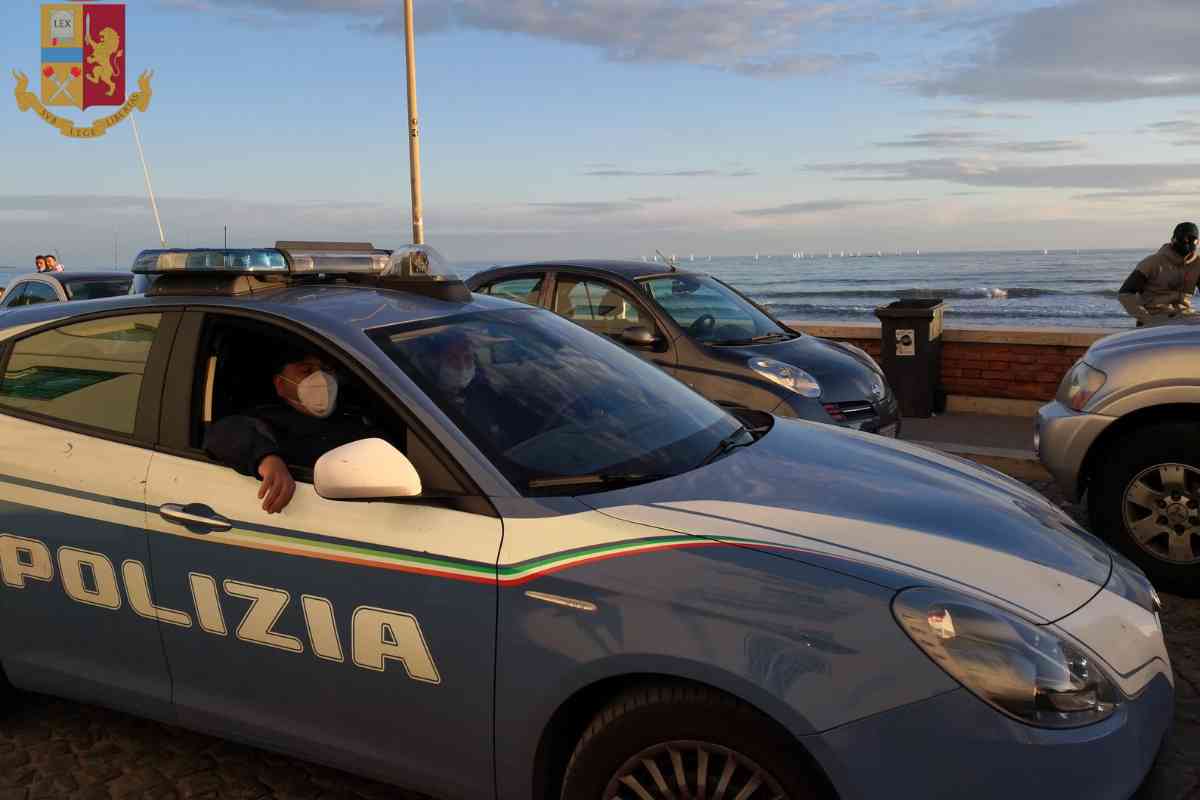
(1125, 430)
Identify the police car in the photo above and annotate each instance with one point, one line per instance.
(557, 574)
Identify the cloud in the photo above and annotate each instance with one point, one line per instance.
(1097, 51)
(806, 207)
(768, 39)
(653, 199)
(588, 207)
(978, 140)
(985, 172)
(670, 173)
(976, 113)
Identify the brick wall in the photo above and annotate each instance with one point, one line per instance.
(1018, 364)
(1014, 371)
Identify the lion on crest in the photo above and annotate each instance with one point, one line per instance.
(105, 54)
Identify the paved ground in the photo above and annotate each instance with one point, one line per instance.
(57, 749)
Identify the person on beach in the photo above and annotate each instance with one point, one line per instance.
(1160, 288)
(52, 264)
(39, 263)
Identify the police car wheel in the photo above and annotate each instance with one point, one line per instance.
(680, 741)
(1145, 499)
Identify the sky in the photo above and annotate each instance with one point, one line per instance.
(591, 128)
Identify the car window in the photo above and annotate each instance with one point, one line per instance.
(89, 373)
(544, 400)
(523, 290)
(600, 307)
(710, 311)
(38, 293)
(15, 297)
(96, 289)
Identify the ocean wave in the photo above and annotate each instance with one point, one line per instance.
(1015, 313)
(961, 293)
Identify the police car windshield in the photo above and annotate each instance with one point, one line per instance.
(549, 402)
(711, 312)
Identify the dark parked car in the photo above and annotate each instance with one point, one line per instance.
(708, 335)
(62, 287)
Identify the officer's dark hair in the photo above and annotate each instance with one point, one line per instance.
(1185, 230)
(283, 354)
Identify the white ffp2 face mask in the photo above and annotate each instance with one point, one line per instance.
(317, 393)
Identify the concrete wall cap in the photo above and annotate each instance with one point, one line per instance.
(1057, 337)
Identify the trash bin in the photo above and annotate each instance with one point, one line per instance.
(912, 353)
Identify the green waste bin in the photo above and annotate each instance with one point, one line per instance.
(912, 353)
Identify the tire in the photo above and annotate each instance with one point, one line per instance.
(672, 726)
(1148, 488)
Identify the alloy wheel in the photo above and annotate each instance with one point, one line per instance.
(689, 770)
(1161, 508)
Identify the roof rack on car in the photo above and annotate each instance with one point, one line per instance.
(224, 271)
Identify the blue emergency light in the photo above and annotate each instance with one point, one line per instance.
(416, 268)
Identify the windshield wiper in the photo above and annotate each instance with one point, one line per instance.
(768, 337)
(595, 480)
(728, 444)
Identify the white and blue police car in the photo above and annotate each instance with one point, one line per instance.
(554, 572)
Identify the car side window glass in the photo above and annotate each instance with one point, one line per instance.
(39, 293)
(597, 306)
(89, 373)
(523, 290)
(16, 297)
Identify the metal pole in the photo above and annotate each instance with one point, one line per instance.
(137, 137)
(414, 144)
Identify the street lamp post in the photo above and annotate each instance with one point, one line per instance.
(414, 143)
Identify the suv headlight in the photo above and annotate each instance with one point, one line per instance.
(1026, 671)
(1080, 385)
(786, 375)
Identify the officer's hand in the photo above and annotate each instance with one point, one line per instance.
(277, 484)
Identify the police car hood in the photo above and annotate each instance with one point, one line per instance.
(805, 488)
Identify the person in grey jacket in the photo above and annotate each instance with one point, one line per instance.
(1160, 288)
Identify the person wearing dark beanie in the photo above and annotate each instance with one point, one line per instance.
(1161, 286)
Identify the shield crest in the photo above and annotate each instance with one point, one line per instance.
(83, 54)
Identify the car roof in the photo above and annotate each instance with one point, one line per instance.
(339, 309)
(630, 270)
(75, 277)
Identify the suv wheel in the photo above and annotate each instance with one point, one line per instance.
(1146, 501)
(685, 742)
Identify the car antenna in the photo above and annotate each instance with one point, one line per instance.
(670, 262)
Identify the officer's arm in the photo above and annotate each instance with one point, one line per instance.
(241, 442)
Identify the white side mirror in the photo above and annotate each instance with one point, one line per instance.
(366, 469)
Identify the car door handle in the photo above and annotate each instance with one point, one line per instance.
(196, 517)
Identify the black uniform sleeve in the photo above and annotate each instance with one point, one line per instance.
(241, 442)
(1134, 284)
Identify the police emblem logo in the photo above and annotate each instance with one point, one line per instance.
(83, 54)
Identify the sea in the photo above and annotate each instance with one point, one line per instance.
(1056, 288)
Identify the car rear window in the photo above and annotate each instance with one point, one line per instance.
(96, 289)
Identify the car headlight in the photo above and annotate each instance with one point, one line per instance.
(1080, 385)
(787, 376)
(1026, 671)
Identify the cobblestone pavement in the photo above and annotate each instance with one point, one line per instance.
(57, 749)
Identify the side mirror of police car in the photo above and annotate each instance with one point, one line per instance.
(638, 336)
(364, 470)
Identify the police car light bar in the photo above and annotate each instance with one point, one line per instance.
(412, 268)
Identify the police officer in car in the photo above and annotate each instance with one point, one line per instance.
(300, 427)
(1160, 288)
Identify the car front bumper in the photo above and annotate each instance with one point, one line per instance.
(1062, 439)
(954, 746)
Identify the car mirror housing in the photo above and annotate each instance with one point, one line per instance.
(364, 470)
(639, 336)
